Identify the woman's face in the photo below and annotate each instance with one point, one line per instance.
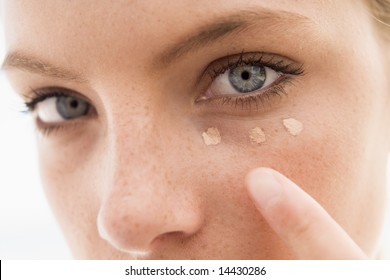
(123, 160)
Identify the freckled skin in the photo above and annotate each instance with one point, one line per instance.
(141, 169)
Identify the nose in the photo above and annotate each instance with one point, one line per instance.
(134, 222)
(144, 203)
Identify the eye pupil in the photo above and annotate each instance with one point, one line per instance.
(247, 78)
(74, 104)
(245, 75)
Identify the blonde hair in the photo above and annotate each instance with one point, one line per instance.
(380, 10)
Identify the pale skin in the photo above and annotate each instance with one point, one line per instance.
(132, 178)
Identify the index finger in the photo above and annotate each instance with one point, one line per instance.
(298, 219)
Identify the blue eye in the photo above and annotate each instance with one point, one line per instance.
(242, 80)
(247, 78)
(57, 109)
(70, 107)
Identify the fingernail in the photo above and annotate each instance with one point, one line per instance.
(263, 187)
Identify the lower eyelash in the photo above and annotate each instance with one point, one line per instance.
(45, 131)
(261, 98)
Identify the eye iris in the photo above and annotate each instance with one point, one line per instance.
(70, 107)
(247, 78)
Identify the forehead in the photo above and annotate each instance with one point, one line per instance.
(92, 33)
(134, 21)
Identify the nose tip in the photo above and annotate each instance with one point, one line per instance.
(133, 231)
(124, 232)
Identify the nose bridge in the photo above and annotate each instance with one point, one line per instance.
(134, 137)
(140, 201)
(137, 155)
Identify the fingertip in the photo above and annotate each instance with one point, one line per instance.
(263, 186)
(255, 174)
(298, 219)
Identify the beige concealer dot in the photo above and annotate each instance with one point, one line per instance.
(257, 135)
(293, 126)
(211, 136)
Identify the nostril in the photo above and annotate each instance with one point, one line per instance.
(166, 237)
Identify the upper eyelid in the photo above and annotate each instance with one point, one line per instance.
(41, 94)
(220, 65)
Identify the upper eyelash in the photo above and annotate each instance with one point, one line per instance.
(41, 95)
(272, 61)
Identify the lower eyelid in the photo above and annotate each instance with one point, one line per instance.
(68, 125)
(256, 102)
(284, 78)
(47, 129)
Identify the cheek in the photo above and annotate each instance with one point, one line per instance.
(334, 159)
(69, 168)
(324, 159)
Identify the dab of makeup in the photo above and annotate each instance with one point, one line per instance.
(211, 136)
(293, 126)
(257, 135)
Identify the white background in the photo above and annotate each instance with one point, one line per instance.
(27, 227)
(274, 270)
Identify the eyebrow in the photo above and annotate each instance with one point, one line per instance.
(31, 64)
(233, 24)
(208, 33)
